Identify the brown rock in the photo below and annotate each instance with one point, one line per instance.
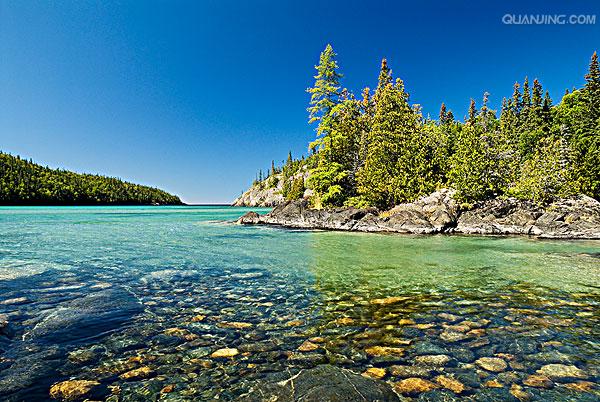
(225, 352)
(432, 360)
(294, 323)
(235, 325)
(390, 300)
(181, 333)
(562, 371)
(538, 381)
(453, 336)
(414, 386)
(137, 374)
(374, 372)
(448, 317)
(198, 318)
(344, 321)
(517, 391)
(384, 351)
(581, 386)
(308, 346)
(423, 326)
(450, 383)
(167, 389)
(406, 321)
(410, 371)
(493, 384)
(494, 364)
(72, 389)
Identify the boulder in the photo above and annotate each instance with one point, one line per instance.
(321, 384)
(249, 218)
(81, 319)
(72, 389)
(500, 216)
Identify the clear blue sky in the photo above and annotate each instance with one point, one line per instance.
(196, 96)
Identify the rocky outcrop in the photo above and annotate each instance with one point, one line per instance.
(322, 383)
(571, 218)
(440, 213)
(269, 192)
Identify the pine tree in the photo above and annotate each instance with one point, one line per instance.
(536, 97)
(472, 113)
(526, 100)
(385, 76)
(443, 113)
(592, 89)
(325, 92)
(516, 99)
(390, 171)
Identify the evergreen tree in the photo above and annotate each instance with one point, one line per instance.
(592, 90)
(389, 174)
(472, 113)
(325, 92)
(443, 113)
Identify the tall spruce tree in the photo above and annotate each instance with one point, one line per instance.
(324, 94)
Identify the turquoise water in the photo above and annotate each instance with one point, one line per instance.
(96, 293)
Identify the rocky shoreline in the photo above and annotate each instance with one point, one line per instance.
(574, 218)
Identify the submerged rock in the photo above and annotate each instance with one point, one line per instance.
(414, 386)
(562, 371)
(225, 352)
(86, 317)
(374, 372)
(321, 384)
(72, 389)
(493, 364)
(451, 383)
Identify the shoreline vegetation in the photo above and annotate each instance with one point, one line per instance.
(25, 183)
(378, 153)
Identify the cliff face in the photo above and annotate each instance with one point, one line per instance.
(439, 213)
(269, 192)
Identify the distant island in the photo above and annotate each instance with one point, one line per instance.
(23, 182)
(379, 165)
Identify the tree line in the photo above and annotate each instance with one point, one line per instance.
(379, 150)
(23, 182)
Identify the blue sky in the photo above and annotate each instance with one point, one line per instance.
(196, 96)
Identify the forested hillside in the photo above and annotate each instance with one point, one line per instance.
(23, 182)
(379, 150)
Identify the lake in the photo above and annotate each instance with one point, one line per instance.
(178, 303)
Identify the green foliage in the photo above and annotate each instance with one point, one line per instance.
(379, 150)
(391, 170)
(296, 191)
(326, 89)
(546, 175)
(23, 182)
(329, 183)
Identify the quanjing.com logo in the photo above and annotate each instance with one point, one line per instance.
(549, 19)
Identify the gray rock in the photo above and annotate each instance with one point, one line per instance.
(86, 317)
(440, 213)
(268, 193)
(321, 384)
(570, 218)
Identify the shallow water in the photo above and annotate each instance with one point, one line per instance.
(96, 292)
